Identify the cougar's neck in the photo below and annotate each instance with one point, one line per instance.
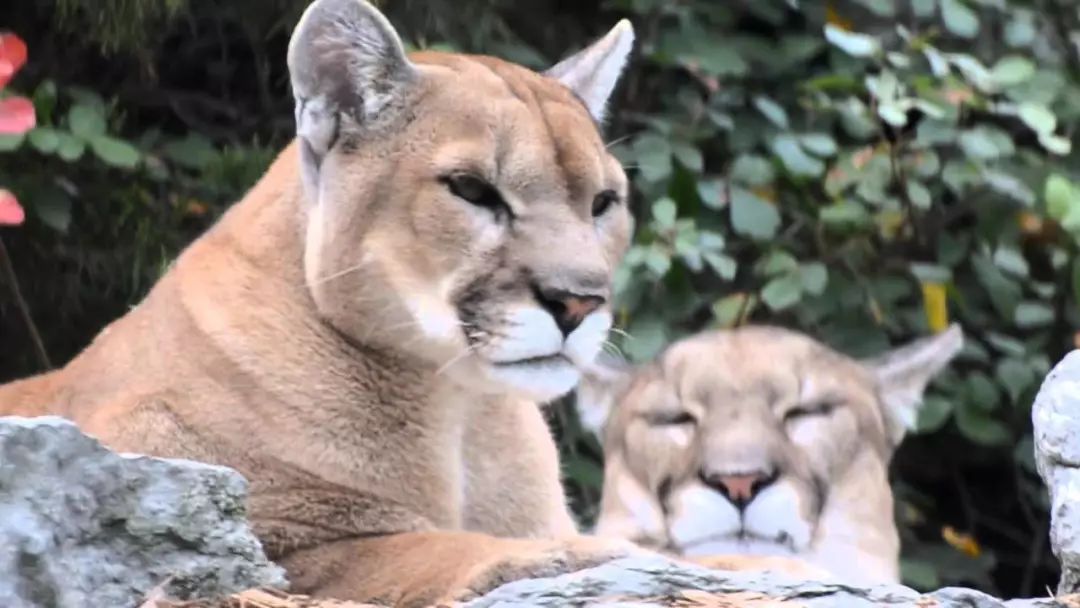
(244, 286)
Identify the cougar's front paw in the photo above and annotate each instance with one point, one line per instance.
(542, 559)
(787, 565)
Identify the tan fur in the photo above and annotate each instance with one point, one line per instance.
(341, 335)
(292, 343)
(674, 484)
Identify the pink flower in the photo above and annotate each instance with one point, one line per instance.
(16, 116)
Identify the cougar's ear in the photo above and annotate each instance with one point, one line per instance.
(593, 72)
(903, 373)
(348, 70)
(602, 385)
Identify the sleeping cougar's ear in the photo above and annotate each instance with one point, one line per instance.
(601, 386)
(593, 72)
(349, 72)
(904, 372)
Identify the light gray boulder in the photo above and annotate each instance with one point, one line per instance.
(637, 582)
(83, 526)
(1056, 419)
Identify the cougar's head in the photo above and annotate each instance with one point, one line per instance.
(460, 208)
(760, 441)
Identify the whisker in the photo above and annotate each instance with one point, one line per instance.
(621, 333)
(617, 141)
(341, 273)
(468, 351)
(612, 348)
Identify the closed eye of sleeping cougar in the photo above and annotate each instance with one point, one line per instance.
(760, 441)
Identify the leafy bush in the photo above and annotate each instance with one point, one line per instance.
(864, 170)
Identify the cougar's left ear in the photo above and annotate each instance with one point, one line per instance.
(349, 72)
(903, 374)
(593, 72)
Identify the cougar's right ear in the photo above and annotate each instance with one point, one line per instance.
(601, 387)
(348, 70)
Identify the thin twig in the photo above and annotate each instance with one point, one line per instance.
(24, 309)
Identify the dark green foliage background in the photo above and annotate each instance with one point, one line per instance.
(784, 172)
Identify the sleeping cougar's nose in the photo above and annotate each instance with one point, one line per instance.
(739, 489)
(569, 309)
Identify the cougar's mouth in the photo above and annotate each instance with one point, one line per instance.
(538, 363)
(743, 539)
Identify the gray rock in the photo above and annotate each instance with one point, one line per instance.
(636, 582)
(83, 526)
(1056, 419)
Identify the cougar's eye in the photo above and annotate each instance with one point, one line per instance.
(817, 409)
(671, 418)
(475, 190)
(603, 201)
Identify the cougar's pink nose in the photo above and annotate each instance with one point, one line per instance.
(740, 489)
(569, 309)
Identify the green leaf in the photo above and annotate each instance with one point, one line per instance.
(844, 213)
(115, 152)
(1020, 29)
(1016, 376)
(930, 273)
(1009, 186)
(892, 114)
(53, 206)
(814, 277)
(923, 8)
(1030, 314)
(657, 260)
(86, 121)
(980, 427)
(9, 143)
(664, 212)
(1012, 70)
(721, 59)
(820, 144)
(981, 144)
(782, 292)
(752, 170)
(688, 156)
(733, 310)
(752, 216)
(1011, 261)
(711, 193)
(777, 262)
(724, 266)
(933, 414)
(44, 139)
(1037, 116)
(920, 574)
(71, 148)
(852, 43)
(1060, 196)
(982, 393)
(653, 154)
(1055, 144)
(193, 152)
(959, 19)
(772, 110)
(794, 158)
(919, 195)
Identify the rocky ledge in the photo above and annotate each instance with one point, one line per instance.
(83, 526)
(1056, 419)
(640, 582)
